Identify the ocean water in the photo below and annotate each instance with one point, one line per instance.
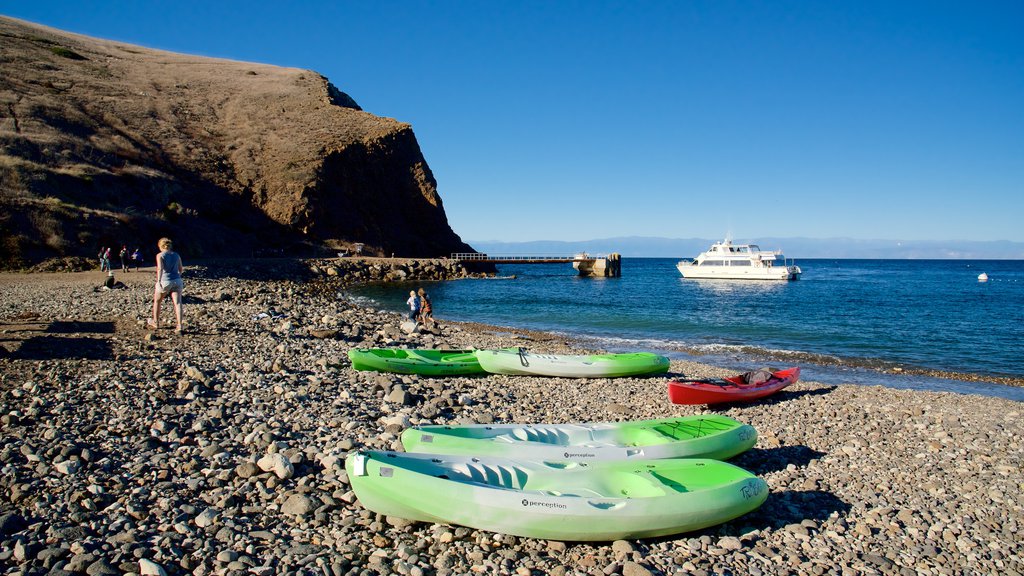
(843, 321)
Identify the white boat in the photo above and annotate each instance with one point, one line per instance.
(726, 260)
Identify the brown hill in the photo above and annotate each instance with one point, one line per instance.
(103, 143)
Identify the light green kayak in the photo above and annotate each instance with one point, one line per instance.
(416, 361)
(707, 436)
(600, 501)
(520, 361)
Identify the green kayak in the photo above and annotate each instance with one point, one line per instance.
(707, 436)
(520, 361)
(598, 501)
(427, 362)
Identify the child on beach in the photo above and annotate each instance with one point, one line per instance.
(414, 306)
(168, 282)
(426, 309)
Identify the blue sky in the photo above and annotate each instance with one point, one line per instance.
(578, 120)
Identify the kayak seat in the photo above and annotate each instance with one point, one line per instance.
(543, 435)
(643, 437)
(609, 484)
(494, 475)
(681, 431)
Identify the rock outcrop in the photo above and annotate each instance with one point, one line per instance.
(104, 144)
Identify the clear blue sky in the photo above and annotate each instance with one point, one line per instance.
(579, 120)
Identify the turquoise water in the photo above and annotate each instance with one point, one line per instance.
(844, 320)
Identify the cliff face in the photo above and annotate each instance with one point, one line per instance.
(106, 144)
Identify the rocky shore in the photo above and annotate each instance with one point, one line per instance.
(220, 451)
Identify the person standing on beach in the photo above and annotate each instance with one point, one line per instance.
(414, 306)
(137, 258)
(168, 282)
(426, 309)
(124, 258)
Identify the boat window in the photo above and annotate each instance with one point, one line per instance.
(713, 263)
(741, 263)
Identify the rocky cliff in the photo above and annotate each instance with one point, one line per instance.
(103, 144)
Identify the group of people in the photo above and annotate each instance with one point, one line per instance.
(127, 260)
(420, 309)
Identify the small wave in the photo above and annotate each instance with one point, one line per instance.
(361, 301)
(744, 356)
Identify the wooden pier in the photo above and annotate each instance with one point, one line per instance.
(609, 266)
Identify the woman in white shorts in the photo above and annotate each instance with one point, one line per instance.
(168, 282)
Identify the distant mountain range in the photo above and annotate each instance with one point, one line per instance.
(652, 247)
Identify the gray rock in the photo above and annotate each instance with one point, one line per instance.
(298, 505)
(278, 464)
(730, 543)
(11, 524)
(102, 568)
(68, 467)
(150, 568)
(622, 547)
(79, 562)
(206, 518)
(247, 470)
(226, 556)
(635, 569)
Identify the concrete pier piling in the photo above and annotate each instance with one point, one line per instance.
(609, 266)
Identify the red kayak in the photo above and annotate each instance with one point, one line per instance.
(740, 388)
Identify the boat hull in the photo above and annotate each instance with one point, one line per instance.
(739, 272)
(425, 362)
(732, 390)
(558, 501)
(521, 362)
(706, 436)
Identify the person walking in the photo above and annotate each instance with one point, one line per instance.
(426, 308)
(137, 258)
(414, 306)
(168, 282)
(124, 258)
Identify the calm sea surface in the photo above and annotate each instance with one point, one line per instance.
(843, 321)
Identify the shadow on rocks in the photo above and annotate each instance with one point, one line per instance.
(787, 394)
(780, 396)
(789, 510)
(61, 348)
(762, 461)
(80, 327)
(783, 509)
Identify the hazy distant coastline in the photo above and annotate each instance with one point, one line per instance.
(654, 247)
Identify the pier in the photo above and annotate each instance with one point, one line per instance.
(609, 266)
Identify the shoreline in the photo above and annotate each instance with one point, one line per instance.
(886, 369)
(122, 444)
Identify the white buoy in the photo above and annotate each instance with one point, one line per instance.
(982, 277)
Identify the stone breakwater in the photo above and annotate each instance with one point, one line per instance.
(347, 271)
(220, 451)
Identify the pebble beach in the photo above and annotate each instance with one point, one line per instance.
(221, 450)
